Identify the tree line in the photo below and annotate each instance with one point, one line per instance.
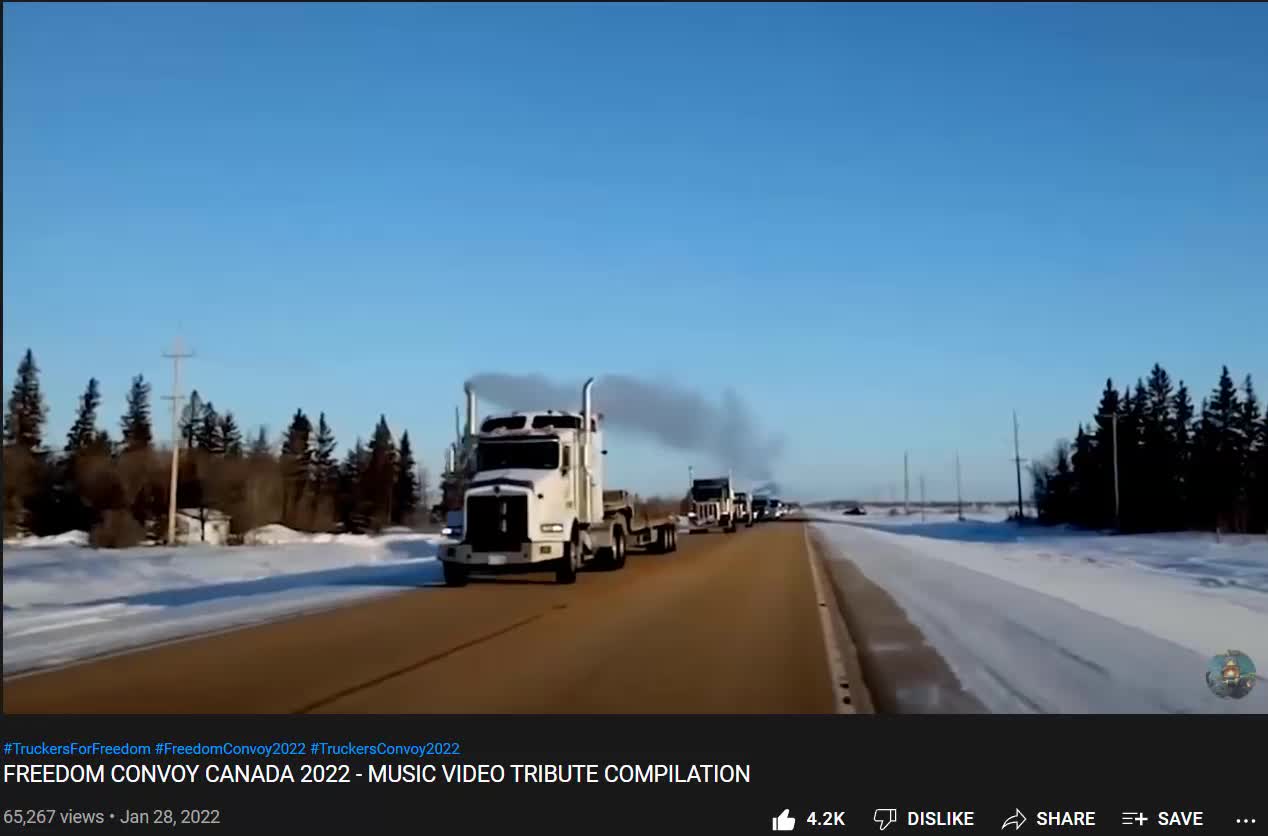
(1179, 466)
(118, 489)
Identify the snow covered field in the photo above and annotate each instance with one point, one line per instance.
(64, 601)
(1051, 620)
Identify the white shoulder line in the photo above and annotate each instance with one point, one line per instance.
(828, 617)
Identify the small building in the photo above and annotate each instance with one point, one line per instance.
(202, 525)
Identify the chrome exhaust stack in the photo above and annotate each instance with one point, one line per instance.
(471, 410)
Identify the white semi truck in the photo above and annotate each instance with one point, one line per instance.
(712, 505)
(536, 499)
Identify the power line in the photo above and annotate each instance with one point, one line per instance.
(175, 355)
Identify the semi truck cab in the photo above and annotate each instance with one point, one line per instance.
(536, 497)
(712, 505)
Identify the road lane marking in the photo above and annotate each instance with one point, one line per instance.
(839, 682)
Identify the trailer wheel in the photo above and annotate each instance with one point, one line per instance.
(671, 538)
(662, 540)
(455, 574)
(566, 566)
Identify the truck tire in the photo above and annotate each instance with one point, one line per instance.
(566, 566)
(455, 574)
(613, 557)
(662, 540)
(671, 533)
(618, 549)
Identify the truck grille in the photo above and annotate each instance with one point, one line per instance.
(497, 523)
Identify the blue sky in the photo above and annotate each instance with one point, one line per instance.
(884, 226)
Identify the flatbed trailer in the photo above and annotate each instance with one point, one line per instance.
(655, 533)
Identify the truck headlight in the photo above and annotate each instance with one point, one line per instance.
(552, 528)
(446, 531)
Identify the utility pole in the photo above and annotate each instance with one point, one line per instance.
(959, 497)
(176, 355)
(1118, 521)
(1017, 459)
(922, 497)
(906, 487)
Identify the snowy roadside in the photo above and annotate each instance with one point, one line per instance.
(1057, 621)
(64, 601)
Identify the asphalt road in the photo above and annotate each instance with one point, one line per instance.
(727, 624)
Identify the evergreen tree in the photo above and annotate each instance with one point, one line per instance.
(405, 497)
(24, 421)
(231, 436)
(1251, 442)
(1101, 472)
(260, 446)
(137, 431)
(210, 437)
(1133, 476)
(1218, 450)
(1182, 413)
(1082, 486)
(102, 443)
(1053, 486)
(1259, 484)
(1160, 464)
(297, 459)
(191, 417)
(325, 468)
(353, 508)
(84, 431)
(379, 479)
(1248, 427)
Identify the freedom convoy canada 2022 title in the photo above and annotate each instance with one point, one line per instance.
(342, 773)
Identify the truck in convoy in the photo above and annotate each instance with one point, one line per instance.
(743, 509)
(535, 499)
(712, 505)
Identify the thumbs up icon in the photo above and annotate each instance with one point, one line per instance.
(783, 822)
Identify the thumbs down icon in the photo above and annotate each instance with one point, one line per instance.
(885, 816)
(783, 822)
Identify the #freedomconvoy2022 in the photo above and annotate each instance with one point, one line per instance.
(577, 773)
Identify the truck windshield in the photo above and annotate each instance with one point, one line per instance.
(706, 494)
(509, 455)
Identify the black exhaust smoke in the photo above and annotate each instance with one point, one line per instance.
(676, 417)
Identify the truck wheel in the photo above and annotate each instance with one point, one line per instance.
(618, 549)
(671, 538)
(566, 566)
(455, 574)
(662, 540)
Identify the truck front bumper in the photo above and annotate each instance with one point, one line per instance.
(528, 553)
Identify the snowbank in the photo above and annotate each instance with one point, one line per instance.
(68, 538)
(64, 601)
(1074, 621)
